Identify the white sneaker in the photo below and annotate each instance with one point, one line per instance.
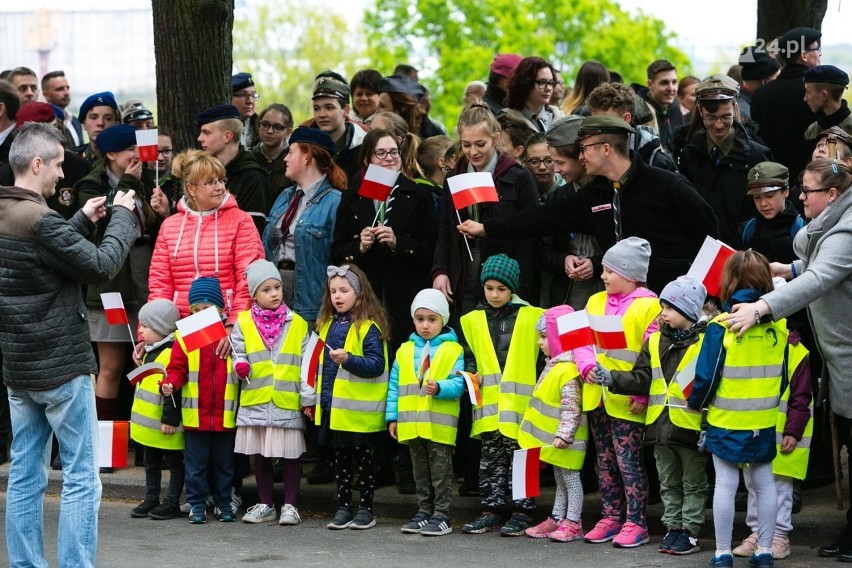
(260, 513)
(289, 515)
(236, 501)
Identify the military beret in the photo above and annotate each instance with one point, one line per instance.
(504, 64)
(241, 81)
(717, 87)
(402, 84)
(767, 176)
(218, 112)
(835, 131)
(797, 40)
(827, 74)
(34, 112)
(603, 124)
(116, 138)
(98, 99)
(60, 114)
(313, 136)
(757, 64)
(331, 85)
(135, 110)
(564, 131)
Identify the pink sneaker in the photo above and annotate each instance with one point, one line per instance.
(631, 535)
(567, 531)
(604, 531)
(543, 529)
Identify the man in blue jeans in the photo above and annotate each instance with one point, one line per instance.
(48, 363)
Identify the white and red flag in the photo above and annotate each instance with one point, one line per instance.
(114, 309)
(146, 145)
(574, 330)
(473, 389)
(525, 473)
(310, 360)
(686, 377)
(144, 371)
(473, 188)
(378, 183)
(707, 266)
(608, 331)
(112, 443)
(201, 329)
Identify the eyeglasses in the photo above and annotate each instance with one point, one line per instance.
(213, 182)
(247, 96)
(584, 147)
(382, 154)
(807, 191)
(818, 49)
(542, 84)
(166, 152)
(536, 162)
(724, 119)
(277, 128)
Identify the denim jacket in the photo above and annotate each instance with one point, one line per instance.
(313, 233)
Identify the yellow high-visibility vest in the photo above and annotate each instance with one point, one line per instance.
(189, 391)
(505, 393)
(147, 412)
(794, 464)
(420, 415)
(662, 395)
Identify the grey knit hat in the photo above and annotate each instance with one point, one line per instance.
(160, 315)
(432, 300)
(259, 272)
(629, 257)
(686, 295)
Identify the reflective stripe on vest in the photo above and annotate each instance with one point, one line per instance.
(420, 415)
(639, 315)
(276, 380)
(358, 402)
(541, 420)
(147, 412)
(189, 391)
(752, 371)
(505, 393)
(661, 394)
(794, 464)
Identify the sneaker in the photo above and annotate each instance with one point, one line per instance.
(604, 531)
(668, 540)
(141, 510)
(225, 515)
(165, 512)
(198, 515)
(780, 547)
(685, 544)
(517, 525)
(185, 508)
(567, 531)
(723, 560)
(747, 547)
(416, 524)
(260, 513)
(289, 516)
(342, 519)
(543, 529)
(236, 501)
(764, 559)
(364, 519)
(483, 523)
(631, 535)
(438, 526)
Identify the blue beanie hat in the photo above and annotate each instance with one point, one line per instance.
(105, 98)
(313, 136)
(116, 138)
(207, 290)
(503, 269)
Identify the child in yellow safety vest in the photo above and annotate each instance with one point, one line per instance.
(554, 420)
(503, 342)
(155, 419)
(423, 409)
(269, 341)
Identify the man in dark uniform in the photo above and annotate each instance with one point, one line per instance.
(758, 68)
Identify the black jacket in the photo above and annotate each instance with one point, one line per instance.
(662, 207)
(723, 184)
(248, 183)
(669, 120)
(494, 98)
(501, 324)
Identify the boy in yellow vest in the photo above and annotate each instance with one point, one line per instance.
(155, 419)
(503, 343)
(423, 409)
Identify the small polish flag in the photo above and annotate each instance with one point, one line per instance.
(469, 189)
(525, 472)
(686, 377)
(378, 183)
(609, 331)
(144, 371)
(574, 330)
(472, 387)
(310, 360)
(114, 309)
(707, 266)
(201, 329)
(425, 363)
(112, 443)
(146, 145)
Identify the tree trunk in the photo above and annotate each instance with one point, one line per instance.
(774, 17)
(192, 46)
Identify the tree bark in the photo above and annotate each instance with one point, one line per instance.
(774, 17)
(193, 54)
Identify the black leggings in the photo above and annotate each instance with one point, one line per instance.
(346, 460)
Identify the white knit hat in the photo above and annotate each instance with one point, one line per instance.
(629, 257)
(432, 300)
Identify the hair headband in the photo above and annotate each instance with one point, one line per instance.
(344, 272)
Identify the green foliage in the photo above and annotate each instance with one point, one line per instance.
(452, 42)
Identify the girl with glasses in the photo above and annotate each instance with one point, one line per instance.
(276, 124)
(529, 92)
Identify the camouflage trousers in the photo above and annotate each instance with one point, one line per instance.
(495, 473)
(432, 465)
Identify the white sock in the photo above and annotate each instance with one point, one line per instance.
(721, 552)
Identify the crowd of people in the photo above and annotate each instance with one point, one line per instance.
(605, 194)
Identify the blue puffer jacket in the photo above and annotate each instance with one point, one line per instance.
(372, 364)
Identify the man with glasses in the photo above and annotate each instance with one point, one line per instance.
(779, 108)
(718, 155)
(661, 96)
(626, 198)
(244, 96)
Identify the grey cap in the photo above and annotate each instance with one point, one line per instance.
(686, 295)
(160, 315)
(564, 131)
(259, 272)
(717, 87)
(629, 257)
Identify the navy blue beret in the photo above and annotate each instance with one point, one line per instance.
(218, 112)
(98, 99)
(827, 74)
(116, 138)
(241, 81)
(402, 84)
(313, 136)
